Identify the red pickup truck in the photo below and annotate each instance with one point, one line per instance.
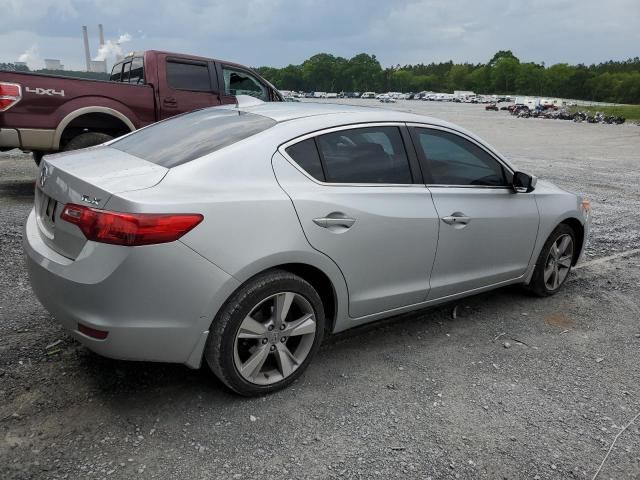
(47, 113)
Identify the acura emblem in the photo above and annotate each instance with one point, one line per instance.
(44, 173)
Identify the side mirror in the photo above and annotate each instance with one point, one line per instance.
(523, 182)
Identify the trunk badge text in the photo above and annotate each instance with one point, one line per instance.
(90, 200)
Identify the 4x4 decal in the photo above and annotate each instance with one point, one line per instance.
(44, 91)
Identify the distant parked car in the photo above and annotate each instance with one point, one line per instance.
(384, 98)
(368, 95)
(491, 106)
(239, 236)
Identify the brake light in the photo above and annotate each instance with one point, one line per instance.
(10, 94)
(129, 229)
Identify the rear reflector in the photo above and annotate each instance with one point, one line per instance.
(92, 332)
(129, 229)
(10, 94)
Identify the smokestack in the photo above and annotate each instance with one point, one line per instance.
(101, 32)
(87, 55)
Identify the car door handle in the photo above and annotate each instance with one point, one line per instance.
(327, 222)
(170, 102)
(456, 219)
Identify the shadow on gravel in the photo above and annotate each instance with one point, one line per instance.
(17, 189)
(139, 382)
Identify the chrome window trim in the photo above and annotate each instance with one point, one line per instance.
(490, 152)
(282, 150)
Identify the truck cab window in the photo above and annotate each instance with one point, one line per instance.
(188, 76)
(136, 74)
(116, 73)
(237, 82)
(126, 68)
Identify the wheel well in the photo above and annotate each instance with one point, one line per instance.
(318, 280)
(93, 122)
(578, 229)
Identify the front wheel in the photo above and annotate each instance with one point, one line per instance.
(554, 263)
(266, 334)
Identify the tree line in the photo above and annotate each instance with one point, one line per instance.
(612, 81)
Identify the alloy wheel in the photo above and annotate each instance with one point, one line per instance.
(558, 262)
(275, 338)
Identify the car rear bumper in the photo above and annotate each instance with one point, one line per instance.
(27, 139)
(156, 302)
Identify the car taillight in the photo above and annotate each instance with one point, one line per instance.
(10, 94)
(129, 229)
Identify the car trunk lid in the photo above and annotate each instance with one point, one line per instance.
(87, 177)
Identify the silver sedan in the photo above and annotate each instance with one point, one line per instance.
(241, 235)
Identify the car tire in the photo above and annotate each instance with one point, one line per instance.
(252, 311)
(85, 140)
(554, 262)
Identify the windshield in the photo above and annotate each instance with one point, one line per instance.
(193, 135)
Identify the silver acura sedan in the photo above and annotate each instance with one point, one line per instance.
(241, 235)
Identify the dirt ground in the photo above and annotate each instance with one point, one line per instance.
(512, 387)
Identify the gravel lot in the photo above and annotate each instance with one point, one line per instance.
(513, 387)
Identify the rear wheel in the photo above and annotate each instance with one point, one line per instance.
(87, 139)
(266, 334)
(554, 263)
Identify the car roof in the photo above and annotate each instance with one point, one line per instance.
(286, 111)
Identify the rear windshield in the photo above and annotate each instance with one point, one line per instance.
(193, 135)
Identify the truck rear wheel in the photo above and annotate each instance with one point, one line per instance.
(87, 139)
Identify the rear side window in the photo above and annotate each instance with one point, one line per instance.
(453, 160)
(136, 74)
(116, 73)
(186, 137)
(306, 155)
(188, 76)
(365, 155)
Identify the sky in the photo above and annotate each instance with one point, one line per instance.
(281, 32)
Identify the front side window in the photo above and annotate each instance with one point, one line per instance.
(365, 155)
(188, 76)
(453, 160)
(237, 82)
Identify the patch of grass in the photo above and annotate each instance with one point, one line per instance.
(630, 112)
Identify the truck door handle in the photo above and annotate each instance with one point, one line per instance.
(456, 218)
(170, 102)
(327, 222)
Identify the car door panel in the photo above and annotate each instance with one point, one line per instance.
(487, 231)
(386, 253)
(493, 246)
(186, 85)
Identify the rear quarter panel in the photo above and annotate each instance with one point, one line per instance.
(250, 224)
